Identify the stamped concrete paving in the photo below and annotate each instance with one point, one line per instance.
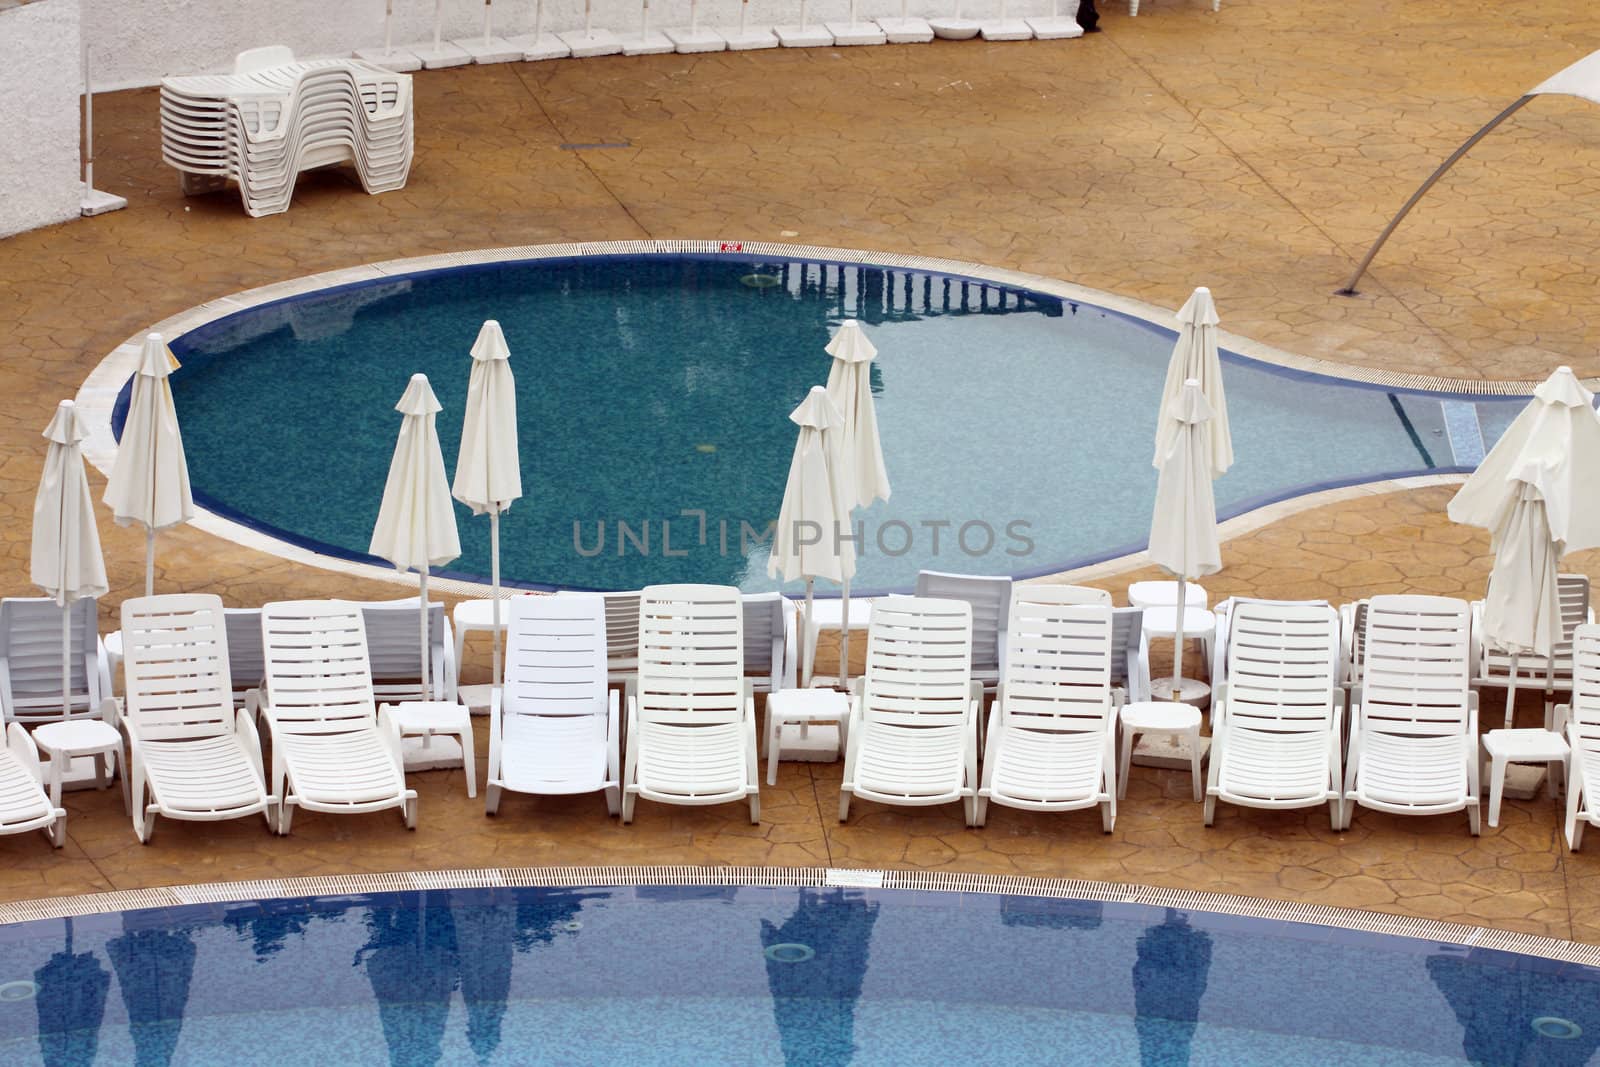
(1255, 151)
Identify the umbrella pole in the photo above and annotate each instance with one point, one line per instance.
(538, 19)
(844, 636)
(149, 561)
(802, 14)
(66, 662)
(1511, 693)
(1177, 646)
(388, 28)
(494, 577)
(809, 641)
(438, 24)
(423, 614)
(488, 22)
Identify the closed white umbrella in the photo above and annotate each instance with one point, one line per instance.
(814, 506)
(861, 452)
(1535, 493)
(65, 560)
(488, 471)
(149, 482)
(1183, 529)
(1195, 356)
(416, 526)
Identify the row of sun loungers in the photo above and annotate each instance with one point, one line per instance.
(916, 730)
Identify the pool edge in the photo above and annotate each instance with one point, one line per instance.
(1342, 918)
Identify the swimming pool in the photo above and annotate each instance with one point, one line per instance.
(794, 976)
(653, 395)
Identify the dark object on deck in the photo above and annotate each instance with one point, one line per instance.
(1088, 17)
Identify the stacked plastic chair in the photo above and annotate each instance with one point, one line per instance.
(274, 117)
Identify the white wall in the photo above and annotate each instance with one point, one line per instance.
(39, 85)
(137, 42)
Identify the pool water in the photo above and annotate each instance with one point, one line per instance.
(653, 398)
(765, 976)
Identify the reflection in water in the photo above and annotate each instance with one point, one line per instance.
(154, 968)
(485, 936)
(814, 998)
(1048, 914)
(269, 924)
(410, 958)
(71, 1003)
(1497, 1000)
(1169, 978)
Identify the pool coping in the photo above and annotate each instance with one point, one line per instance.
(97, 396)
(1341, 918)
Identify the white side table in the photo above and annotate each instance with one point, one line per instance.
(1165, 595)
(1159, 717)
(477, 616)
(799, 710)
(1522, 746)
(436, 735)
(1198, 623)
(829, 615)
(63, 741)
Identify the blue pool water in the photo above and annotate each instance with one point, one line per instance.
(652, 386)
(810, 977)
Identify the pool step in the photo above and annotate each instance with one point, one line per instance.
(1466, 435)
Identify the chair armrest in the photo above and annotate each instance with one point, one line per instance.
(23, 750)
(110, 712)
(245, 724)
(1560, 715)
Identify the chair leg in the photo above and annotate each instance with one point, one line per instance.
(1574, 794)
(1194, 762)
(628, 799)
(469, 760)
(1108, 815)
(1133, 8)
(844, 804)
(409, 811)
(1497, 788)
(491, 799)
(1124, 761)
(285, 817)
(57, 832)
(980, 812)
(613, 800)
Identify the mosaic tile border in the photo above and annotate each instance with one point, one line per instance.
(805, 877)
(97, 396)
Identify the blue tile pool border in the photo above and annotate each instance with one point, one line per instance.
(1037, 288)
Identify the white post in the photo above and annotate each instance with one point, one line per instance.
(538, 20)
(743, 6)
(588, 18)
(388, 28)
(694, 17)
(423, 613)
(1177, 645)
(844, 635)
(66, 663)
(88, 122)
(149, 561)
(1511, 692)
(494, 577)
(802, 14)
(852, 12)
(808, 643)
(488, 22)
(438, 25)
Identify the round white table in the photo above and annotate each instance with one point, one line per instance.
(1159, 717)
(64, 741)
(1165, 595)
(800, 709)
(1198, 623)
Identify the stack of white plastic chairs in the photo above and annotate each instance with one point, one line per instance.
(274, 117)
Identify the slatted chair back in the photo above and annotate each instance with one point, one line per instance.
(691, 655)
(30, 660)
(919, 661)
(176, 681)
(1058, 661)
(990, 600)
(1417, 657)
(318, 677)
(556, 656)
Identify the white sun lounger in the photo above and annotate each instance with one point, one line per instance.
(913, 722)
(1052, 737)
(30, 662)
(331, 749)
(691, 735)
(1538, 674)
(622, 636)
(195, 755)
(24, 805)
(554, 727)
(1275, 728)
(1581, 720)
(1414, 729)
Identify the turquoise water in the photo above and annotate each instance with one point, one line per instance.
(798, 977)
(649, 387)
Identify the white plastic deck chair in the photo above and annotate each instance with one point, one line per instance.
(1414, 728)
(691, 736)
(392, 645)
(771, 659)
(1581, 719)
(30, 662)
(554, 727)
(913, 722)
(1493, 667)
(195, 755)
(1130, 656)
(24, 805)
(1352, 643)
(1052, 737)
(990, 598)
(247, 659)
(332, 751)
(622, 636)
(1275, 727)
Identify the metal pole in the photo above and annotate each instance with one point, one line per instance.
(149, 561)
(88, 122)
(844, 636)
(1177, 645)
(1511, 693)
(488, 22)
(1350, 286)
(388, 28)
(494, 555)
(809, 641)
(66, 664)
(438, 25)
(423, 613)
